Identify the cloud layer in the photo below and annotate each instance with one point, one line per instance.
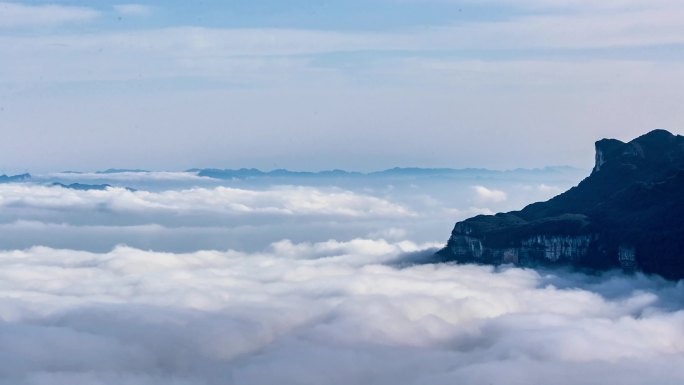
(287, 200)
(326, 293)
(330, 313)
(180, 212)
(23, 15)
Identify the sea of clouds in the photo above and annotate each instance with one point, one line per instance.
(126, 287)
(182, 212)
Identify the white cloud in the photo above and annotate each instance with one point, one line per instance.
(489, 195)
(179, 212)
(392, 233)
(550, 190)
(326, 313)
(461, 214)
(285, 200)
(133, 9)
(22, 15)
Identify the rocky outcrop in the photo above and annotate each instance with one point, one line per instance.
(628, 213)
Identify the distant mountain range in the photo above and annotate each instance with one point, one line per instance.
(72, 186)
(245, 173)
(120, 170)
(15, 178)
(628, 213)
(84, 187)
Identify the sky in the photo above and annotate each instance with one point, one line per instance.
(362, 85)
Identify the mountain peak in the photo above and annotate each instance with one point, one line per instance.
(605, 148)
(649, 153)
(628, 213)
(657, 134)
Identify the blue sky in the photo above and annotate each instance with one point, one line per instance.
(332, 84)
(324, 14)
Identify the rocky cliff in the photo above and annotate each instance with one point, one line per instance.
(628, 213)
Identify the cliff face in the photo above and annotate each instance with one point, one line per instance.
(628, 213)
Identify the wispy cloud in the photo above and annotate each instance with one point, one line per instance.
(286, 200)
(133, 9)
(207, 52)
(485, 194)
(590, 30)
(548, 189)
(23, 15)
